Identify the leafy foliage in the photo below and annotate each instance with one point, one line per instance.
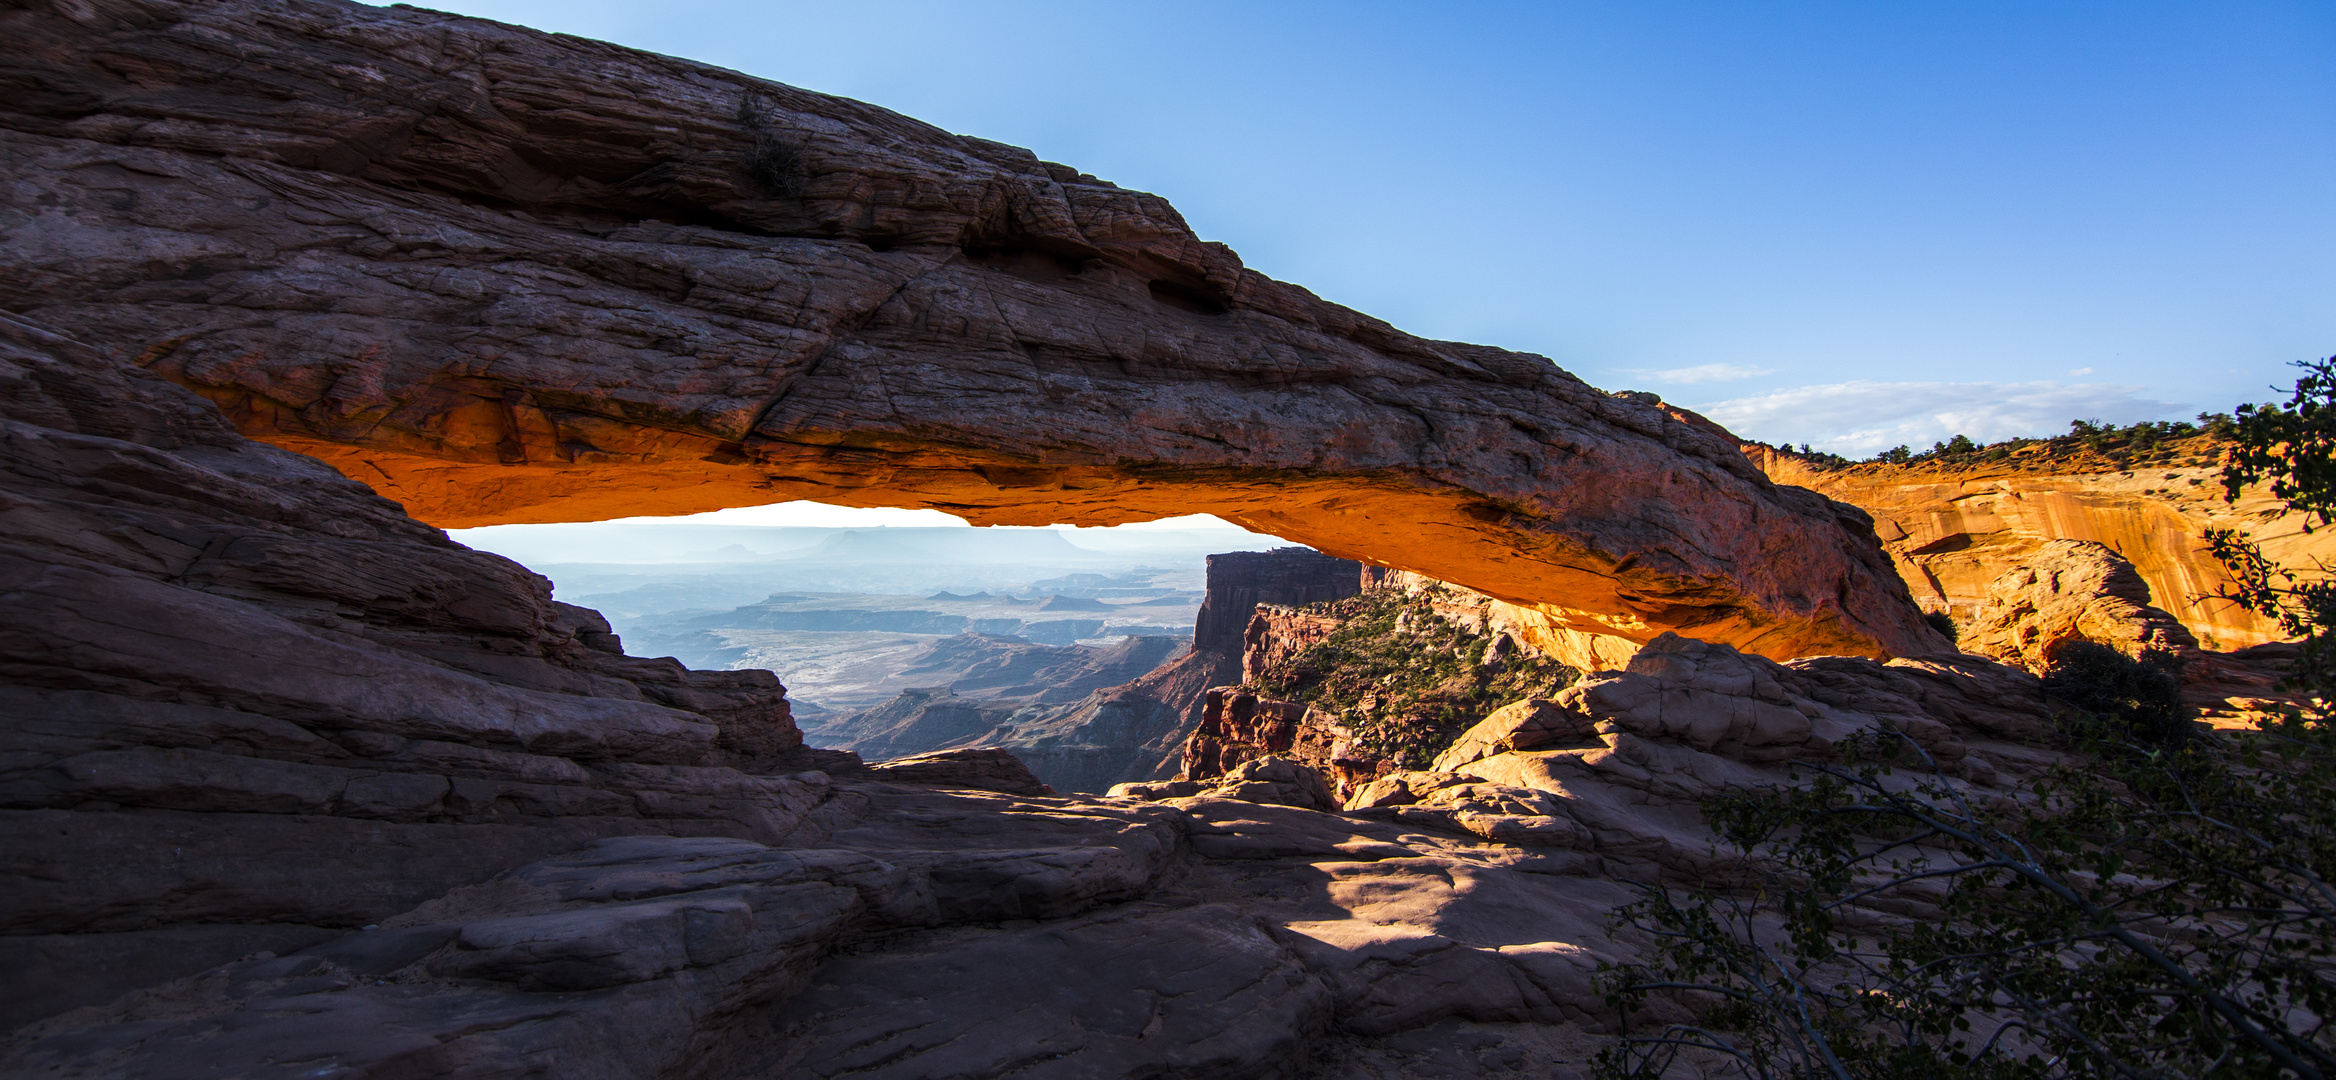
(2294, 447)
(2142, 695)
(1404, 678)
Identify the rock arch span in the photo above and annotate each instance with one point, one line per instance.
(507, 277)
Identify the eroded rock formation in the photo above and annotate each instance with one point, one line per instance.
(1239, 581)
(2070, 590)
(292, 784)
(1954, 530)
(502, 276)
(250, 706)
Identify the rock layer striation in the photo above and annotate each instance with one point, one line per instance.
(502, 276)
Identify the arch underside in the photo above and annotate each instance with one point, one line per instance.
(496, 293)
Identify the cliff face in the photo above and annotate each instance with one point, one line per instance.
(1954, 530)
(1362, 687)
(503, 276)
(1238, 581)
(1136, 731)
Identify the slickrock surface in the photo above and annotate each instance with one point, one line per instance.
(502, 276)
(1953, 531)
(988, 769)
(250, 705)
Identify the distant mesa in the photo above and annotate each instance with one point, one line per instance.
(1073, 603)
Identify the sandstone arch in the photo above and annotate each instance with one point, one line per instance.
(505, 277)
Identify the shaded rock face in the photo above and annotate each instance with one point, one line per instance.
(988, 769)
(1238, 726)
(2070, 590)
(1136, 730)
(1953, 532)
(2076, 590)
(249, 704)
(502, 276)
(1239, 581)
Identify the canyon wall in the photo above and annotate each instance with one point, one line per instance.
(1238, 581)
(502, 276)
(1130, 731)
(1953, 530)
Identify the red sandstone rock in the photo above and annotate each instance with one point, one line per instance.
(2070, 590)
(502, 276)
(989, 769)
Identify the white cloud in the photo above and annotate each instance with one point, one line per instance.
(1706, 373)
(2080, 371)
(1860, 419)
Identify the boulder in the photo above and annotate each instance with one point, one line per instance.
(985, 768)
(2070, 590)
(1519, 725)
(1278, 781)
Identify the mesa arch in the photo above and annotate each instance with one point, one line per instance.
(507, 277)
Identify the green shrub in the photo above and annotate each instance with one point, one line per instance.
(1406, 680)
(2142, 697)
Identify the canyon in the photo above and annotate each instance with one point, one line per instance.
(1954, 528)
(293, 784)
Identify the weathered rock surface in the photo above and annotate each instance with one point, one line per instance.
(374, 806)
(249, 704)
(988, 769)
(1238, 727)
(1530, 724)
(1239, 581)
(2070, 590)
(503, 276)
(1954, 531)
(2076, 590)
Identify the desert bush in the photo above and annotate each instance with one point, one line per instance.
(1406, 680)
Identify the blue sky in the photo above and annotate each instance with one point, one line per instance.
(1851, 224)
